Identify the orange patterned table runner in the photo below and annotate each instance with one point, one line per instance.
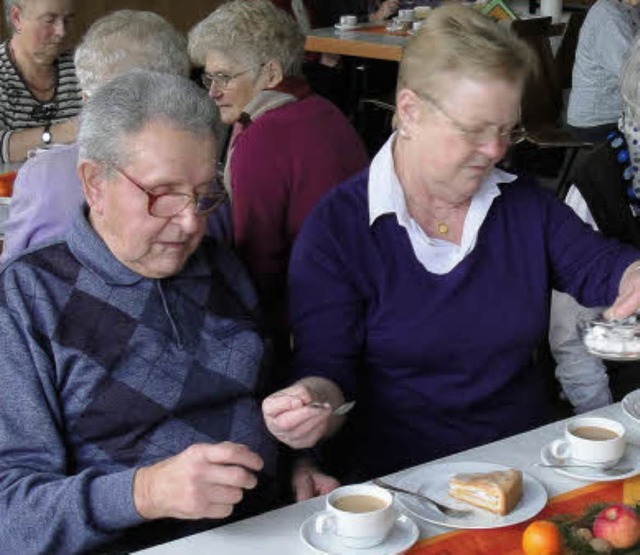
(506, 541)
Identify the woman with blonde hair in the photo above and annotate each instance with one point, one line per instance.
(288, 146)
(421, 288)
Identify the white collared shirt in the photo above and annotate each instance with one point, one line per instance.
(387, 196)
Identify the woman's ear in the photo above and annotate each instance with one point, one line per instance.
(92, 176)
(409, 109)
(272, 70)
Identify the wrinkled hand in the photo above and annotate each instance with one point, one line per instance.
(66, 131)
(204, 481)
(628, 300)
(307, 481)
(291, 421)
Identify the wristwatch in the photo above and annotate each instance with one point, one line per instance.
(46, 134)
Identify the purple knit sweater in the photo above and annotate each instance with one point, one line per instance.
(438, 363)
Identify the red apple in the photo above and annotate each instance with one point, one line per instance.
(619, 525)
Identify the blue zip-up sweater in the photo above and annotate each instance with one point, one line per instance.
(103, 371)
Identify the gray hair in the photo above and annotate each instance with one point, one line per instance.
(129, 39)
(630, 81)
(128, 103)
(8, 4)
(456, 39)
(249, 33)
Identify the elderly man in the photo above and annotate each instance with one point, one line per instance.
(47, 191)
(130, 351)
(39, 94)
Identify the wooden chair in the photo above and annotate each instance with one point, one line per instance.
(542, 99)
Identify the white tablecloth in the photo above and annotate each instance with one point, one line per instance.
(276, 532)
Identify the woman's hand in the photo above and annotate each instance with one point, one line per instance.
(290, 418)
(628, 300)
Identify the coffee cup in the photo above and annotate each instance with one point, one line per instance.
(348, 20)
(591, 440)
(359, 516)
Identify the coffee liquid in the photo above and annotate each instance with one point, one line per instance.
(594, 433)
(359, 503)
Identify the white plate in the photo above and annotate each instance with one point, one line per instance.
(631, 405)
(588, 474)
(433, 481)
(402, 536)
(341, 27)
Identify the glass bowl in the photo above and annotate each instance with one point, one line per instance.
(612, 339)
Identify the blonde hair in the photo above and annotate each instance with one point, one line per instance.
(459, 39)
(249, 33)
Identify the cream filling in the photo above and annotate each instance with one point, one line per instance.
(492, 499)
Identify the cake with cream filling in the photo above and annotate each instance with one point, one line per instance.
(498, 491)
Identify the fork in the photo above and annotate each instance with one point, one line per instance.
(343, 409)
(444, 509)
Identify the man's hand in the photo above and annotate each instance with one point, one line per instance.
(628, 300)
(307, 481)
(204, 481)
(292, 419)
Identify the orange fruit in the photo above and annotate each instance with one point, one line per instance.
(542, 537)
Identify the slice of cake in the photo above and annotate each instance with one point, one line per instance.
(498, 492)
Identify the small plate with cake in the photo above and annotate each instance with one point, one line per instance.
(496, 495)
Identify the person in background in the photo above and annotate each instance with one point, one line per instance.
(605, 193)
(131, 354)
(420, 288)
(39, 94)
(288, 146)
(47, 191)
(605, 38)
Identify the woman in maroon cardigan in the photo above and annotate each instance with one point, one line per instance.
(288, 146)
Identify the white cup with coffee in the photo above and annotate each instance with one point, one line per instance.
(359, 516)
(592, 440)
(348, 20)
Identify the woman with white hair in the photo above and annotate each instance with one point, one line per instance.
(288, 146)
(421, 288)
(39, 94)
(47, 190)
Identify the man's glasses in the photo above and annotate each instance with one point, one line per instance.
(167, 205)
(219, 79)
(479, 136)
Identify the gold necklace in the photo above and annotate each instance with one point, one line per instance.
(443, 228)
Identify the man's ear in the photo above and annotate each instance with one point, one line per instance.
(15, 16)
(273, 74)
(92, 176)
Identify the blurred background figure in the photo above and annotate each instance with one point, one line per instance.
(603, 44)
(420, 289)
(329, 11)
(47, 192)
(288, 146)
(605, 193)
(39, 94)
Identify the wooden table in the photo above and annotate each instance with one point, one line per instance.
(365, 41)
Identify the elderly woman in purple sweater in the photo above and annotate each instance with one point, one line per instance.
(420, 288)
(288, 146)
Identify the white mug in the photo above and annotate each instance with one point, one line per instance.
(592, 440)
(359, 516)
(348, 20)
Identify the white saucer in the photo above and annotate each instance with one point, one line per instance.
(631, 405)
(402, 536)
(341, 27)
(589, 474)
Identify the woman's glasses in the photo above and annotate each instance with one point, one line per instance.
(481, 135)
